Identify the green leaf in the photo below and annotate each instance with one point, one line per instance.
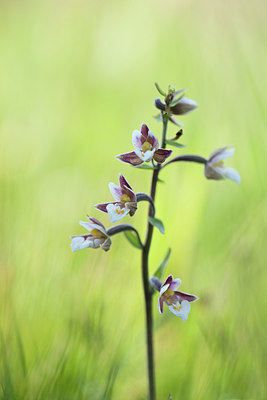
(174, 144)
(160, 180)
(132, 238)
(161, 268)
(159, 89)
(145, 166)
(174, 121)
(157, 223)
(158, 117)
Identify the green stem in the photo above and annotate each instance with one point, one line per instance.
(145, 276)
(122, 228)
(164, 130)
(187, 158)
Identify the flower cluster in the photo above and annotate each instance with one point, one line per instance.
(97, 236)
(146, 149)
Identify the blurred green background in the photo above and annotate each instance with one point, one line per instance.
(76, 78)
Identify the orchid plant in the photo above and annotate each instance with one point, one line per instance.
(148, 154)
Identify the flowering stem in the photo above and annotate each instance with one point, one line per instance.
(164, 130)
(188, 158)
(145, 275)
(145, 197)
(122, 228)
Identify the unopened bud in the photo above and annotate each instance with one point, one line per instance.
(184, 106)
(159, 104)
(155, 283)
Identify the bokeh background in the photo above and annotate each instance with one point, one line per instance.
(76, 79)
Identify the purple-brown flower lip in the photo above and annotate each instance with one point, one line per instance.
(146, 148)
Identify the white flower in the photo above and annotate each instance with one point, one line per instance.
(125, 201)
(116, 212)
(178, 302)
(97, 237)
(181, 309)
(215, 168)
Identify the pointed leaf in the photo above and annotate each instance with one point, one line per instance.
(157, 223)
(132, 238)
(174, 144)
(145, 166)
(161, 268)
(160, 180)
(159, 89)
(174, 121)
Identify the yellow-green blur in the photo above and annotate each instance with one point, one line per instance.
(76, 78)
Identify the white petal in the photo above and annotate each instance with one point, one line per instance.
(232, 174)
(219, 151)
(175, 284)
(97, 242)
(163, 289)
(116, 213)
(158, 305)
(219, 170)
(145, 156)
(183, 312)
(223, 155)
(90, 227)
(136, 140)
(78, 243)
(115, 191)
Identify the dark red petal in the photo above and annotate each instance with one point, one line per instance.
(126, 188)
(103, 206)
(129, 193)
(167, 281)
(95, 221)
(130, 158)
(160, 155)
(186, 296)
(144, 130)
(123, 182)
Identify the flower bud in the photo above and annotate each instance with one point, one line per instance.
(184, 106)
(159, 104)
(155, 283)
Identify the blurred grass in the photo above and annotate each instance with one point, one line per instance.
(76, 78)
